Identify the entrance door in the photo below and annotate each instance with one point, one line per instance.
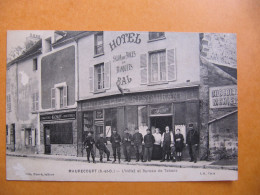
(47, 138)
(161, 122)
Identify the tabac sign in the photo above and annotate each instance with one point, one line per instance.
(223, 97)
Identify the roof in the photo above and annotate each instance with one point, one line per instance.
(35, 49)
(70, 36)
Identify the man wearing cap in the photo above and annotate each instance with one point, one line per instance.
(115, 140)
(88, 143)
(126, 140)
(137, 140)
(148, 145)
(192, 140)
(101, 146)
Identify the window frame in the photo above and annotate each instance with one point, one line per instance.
(35, 64)
(159, 81)
(96, 46)
(96, 77)
(150, 39)
(8, 103)
(57, 88)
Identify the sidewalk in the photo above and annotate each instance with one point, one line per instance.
(182, 164)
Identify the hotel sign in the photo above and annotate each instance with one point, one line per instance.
(223, 97)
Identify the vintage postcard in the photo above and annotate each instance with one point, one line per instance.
(121, 106)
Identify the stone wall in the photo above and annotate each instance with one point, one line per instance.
(220, 49)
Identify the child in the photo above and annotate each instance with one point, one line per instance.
(148, 145)
(101, 145)
(88, 143)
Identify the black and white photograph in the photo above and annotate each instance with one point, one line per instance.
(121, 106)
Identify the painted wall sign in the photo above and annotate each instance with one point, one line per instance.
(125, 38)
(161, 109)
(223, 97)
(145, 98)
(58, 116)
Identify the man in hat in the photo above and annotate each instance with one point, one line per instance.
(148, 145)
(101, 146)
(192, 140)
(88, 144)
(138, 139)
(126, 140)
(115, 140)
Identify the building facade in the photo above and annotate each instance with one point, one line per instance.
(137, 79)
(22, 101)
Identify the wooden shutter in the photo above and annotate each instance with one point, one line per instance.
(143, 68)
(53, 97)
(172, 74)
(65, 96)
(37, 101)
(33, 102)
(33, 137)
(91, 80)
(107, 75)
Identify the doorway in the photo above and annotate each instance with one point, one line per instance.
(161, 122)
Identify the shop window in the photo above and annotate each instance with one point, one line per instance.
(61, 133)
(8, 103)
(99, 44)
(156, 35)
(111, 121)
(35, 64)
(142, 119)
(131, 118)
(35, 101)
(88, 121)
(99, 77)
(158, 66)
(59, 96)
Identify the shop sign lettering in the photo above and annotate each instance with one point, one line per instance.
(58, 116)
(223, 97)
(125, 38)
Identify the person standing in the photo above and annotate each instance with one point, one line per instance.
(148, 145)
(127, 139)
(179, 144)
(88, 144)
(168, 145)
(192, 141)
(101, 146)
(115, 140)
(157, 150)
(137, 140)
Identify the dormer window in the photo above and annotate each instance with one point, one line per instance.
(99, 44)
(48, 46)
(156, 36)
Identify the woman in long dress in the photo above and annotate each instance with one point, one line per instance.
(157, 150)
(179, 144)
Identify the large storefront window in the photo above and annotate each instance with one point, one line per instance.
(61, 133)
(142, 119)
(110, 121)
(131, 118)
(88, 121)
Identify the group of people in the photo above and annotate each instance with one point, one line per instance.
(166, 146)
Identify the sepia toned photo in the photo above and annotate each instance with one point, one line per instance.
(121, 106)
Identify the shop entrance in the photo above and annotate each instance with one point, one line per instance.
(47, 140)
(161, 122)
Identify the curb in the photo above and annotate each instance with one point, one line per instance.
(78, 159)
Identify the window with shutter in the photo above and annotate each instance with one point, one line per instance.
(172, 72)
(37, 101)
(143, 68)
(91, 80)
(53, 97)
(33, 102)
(157, 67)
(33, 137)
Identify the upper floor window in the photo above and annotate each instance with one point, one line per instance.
(48, 46)
(156, 35)
(35, 64)
(59, 95)
(99, 43)
(158, 66)
(8, 103)
(99, 75)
